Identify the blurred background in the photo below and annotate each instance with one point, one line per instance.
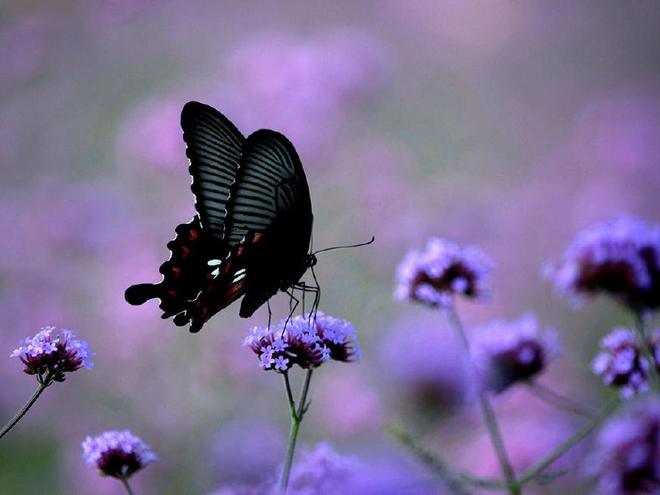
(507, 125)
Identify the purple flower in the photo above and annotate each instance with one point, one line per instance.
(321, 470)
(304, 86)
(442, 270)
(305, 341)
(117, 453)
(52, 353)
(627, 455)
(621, 364)
(423, 371)
(620, 258)
(508, 352)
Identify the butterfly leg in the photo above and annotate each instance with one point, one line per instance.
(317, 294)
(293, 304)
(303, 290)
(270, 314)
(314, 289)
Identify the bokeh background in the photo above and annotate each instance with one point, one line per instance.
(507, 125)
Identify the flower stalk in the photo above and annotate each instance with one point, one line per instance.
(488, 414)
(297, 415)
(124, 481)
(557, 400)
(568, 444)
(43, 384)
(453, 480)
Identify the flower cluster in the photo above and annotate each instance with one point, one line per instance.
(307, 340)
(627, 456)
(52, 353)
(620, 258)
(508, 352)
(621, 363)
(118, 454)
(441, 270)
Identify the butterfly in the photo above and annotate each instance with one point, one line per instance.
(252, 231)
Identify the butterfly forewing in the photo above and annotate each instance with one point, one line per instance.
(269, 182)
(214, 148)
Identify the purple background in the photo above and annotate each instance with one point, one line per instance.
(508, 125)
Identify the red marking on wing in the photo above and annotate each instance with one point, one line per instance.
(222, 290)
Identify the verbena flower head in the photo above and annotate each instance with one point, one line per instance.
(508, 352)
(443, 269)
(627, 455)
(118, 454)
(620, 258)
(51, 353)
(621, 363)
(305, 341)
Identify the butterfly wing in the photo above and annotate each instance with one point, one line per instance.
(184, 273)
(270, 183)
(213, 148)
(268, 229)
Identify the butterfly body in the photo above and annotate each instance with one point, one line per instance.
(252, 233)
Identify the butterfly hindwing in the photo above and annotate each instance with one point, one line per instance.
(185, 274)
(229, 282)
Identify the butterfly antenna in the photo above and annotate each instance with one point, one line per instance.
(370, 241)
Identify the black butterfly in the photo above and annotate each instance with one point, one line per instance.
(252, 231)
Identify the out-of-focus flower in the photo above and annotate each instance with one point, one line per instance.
(152, 136)
(302, 87)
(654, 344)
(322, 470)
(52, 353)
(507, 352)
(620, 258)
(357, 413)
(627, 454)
(245, 490)
(621, 364)
(304, 340)
(442, 270)
(118, 454)
(431, 373)
(242, 450)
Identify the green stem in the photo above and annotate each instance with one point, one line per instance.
(289, 395)
(453, 480)
(488, 414)
(296, 420)
(17, 417)
(124, 481)
(645, 347)
(557, 400)
(564, 447)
